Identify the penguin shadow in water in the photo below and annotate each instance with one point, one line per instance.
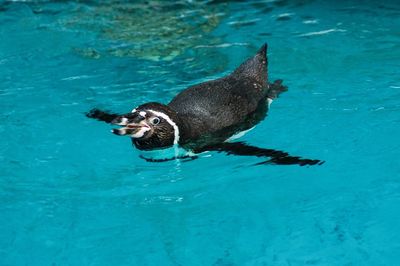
(207, 117)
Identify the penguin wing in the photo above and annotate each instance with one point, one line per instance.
(241, 149)
(276, 156)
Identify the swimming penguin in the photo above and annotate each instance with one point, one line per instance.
(206, 116)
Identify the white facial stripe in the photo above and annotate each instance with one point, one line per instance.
(142, 113)
(172, 123)
(134, 110)
(140, 133)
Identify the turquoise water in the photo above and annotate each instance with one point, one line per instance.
(72, 193)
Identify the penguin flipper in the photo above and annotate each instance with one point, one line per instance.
(101, 115)
(276, 156)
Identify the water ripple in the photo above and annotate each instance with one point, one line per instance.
(223, 45)
(322, 32)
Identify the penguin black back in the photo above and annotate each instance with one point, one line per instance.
(228, 101)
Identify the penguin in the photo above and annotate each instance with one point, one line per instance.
(208, 116)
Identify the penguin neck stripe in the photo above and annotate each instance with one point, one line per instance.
(172, 123)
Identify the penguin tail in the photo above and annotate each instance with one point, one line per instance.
(276, 88)
(254, 68)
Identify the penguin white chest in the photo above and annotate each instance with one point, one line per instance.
(238, 135)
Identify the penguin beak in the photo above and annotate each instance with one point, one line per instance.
(134, 130)
(126, 119)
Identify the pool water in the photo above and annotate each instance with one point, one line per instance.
(72, 193)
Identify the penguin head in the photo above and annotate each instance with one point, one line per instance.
(151, 126)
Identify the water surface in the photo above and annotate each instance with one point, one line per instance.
(74, 194)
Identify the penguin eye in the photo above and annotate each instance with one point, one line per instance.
(155, 120)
